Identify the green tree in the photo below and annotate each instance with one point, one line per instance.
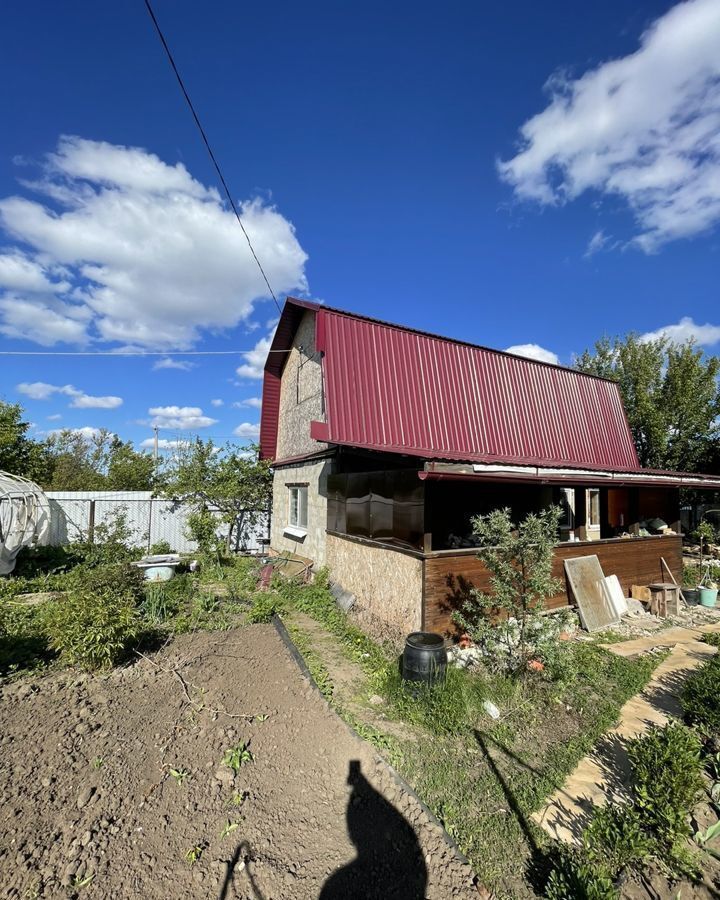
(232, 481)
(506, 622)
(671, 396)
(97, 462)
(19, 454)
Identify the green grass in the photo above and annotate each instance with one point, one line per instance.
(481, 778)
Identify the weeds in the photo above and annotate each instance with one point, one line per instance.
(238, 798)
(98, 762)
(180, 776)
(194, 854)
(228, 829)
(264, 607)
(236, 757)
(700, 696)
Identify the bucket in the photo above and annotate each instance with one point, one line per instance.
(692, 596)
(424, 657)
(708, 596)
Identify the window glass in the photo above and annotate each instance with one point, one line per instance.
(593, 507)
(298, 506)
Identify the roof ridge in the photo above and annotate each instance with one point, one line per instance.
(311, 304)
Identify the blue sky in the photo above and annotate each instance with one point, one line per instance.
(510, 174)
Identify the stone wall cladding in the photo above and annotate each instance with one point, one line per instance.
(314, 474)
(387, 584)
(300, 395)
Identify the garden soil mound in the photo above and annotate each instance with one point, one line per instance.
(89, 806)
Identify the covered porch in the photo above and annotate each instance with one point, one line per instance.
(401, 539)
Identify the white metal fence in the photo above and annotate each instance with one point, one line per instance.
(76, 515)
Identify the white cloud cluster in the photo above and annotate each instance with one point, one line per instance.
(182, 418)
(255, 402)
(217, 402)
(534, 351)
(124, 247)
(705, 335)
(88, 432)
(168, 362)
(645, 127)
(41, 390)
(254, 365)
(163, 444)
(247, 430)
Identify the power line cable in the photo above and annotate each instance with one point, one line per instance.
(209, 148)
(168, 353)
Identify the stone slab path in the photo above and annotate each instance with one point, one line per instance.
(601, 777)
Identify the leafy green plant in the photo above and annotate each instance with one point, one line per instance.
(180, 775)
(228, 828)
(160, 548)
(98, 762)
(667, 782)
(238, 798)
(575, 877)
(194, 854)
(264, 606)
(616, 839)
(96, 622)
(236, 757)
(506, 622)
(701, 696)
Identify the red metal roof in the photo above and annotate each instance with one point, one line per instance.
(390, 388)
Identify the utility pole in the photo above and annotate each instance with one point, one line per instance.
(155, 443)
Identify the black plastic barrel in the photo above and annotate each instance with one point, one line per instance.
(424, 657)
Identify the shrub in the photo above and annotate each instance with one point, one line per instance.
(575, 877)
(23, 643)
(95, 623)
(506, 623)
(616, 839)
(161, 548)
(264, 607)
(701, 696)
(667, 780)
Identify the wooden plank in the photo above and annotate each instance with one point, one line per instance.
(449, 578)
(586, 580)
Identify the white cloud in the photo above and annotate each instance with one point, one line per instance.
(40, 390)
(705, 335)
(645, 127)
(254, 364)
(184, 365)
(163, 444)
(87, 431)
(255, 402)
(43, 322)
(217, 403)
(150, 256)
(596, 243)
(19, 272)
(55, 417)
(534, 351)
(247, 430)
(179, 417)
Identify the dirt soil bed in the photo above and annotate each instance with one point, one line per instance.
(89, 806)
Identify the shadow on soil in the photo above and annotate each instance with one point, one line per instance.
(244, 853)
(389, 864)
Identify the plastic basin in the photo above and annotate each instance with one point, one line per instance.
(708, 596)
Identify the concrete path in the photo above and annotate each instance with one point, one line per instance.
(601, 777)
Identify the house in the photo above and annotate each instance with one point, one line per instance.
(385, 441)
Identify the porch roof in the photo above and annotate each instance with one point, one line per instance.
(438, 471)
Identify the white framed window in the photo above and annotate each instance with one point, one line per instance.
(298, 503)
(593, 508)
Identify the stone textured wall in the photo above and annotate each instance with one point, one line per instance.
(387, 584)
(300, 394)
(314, 474)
